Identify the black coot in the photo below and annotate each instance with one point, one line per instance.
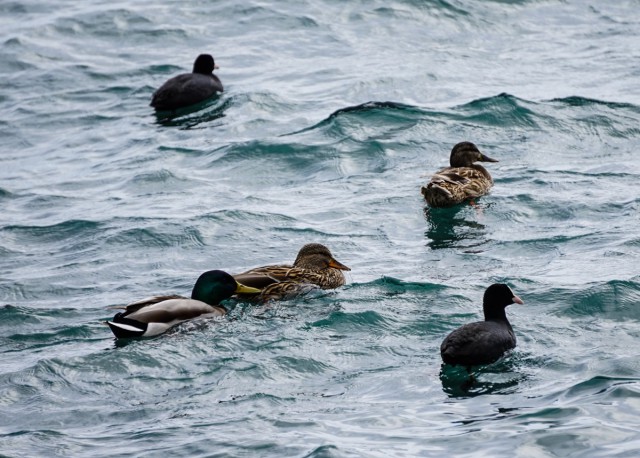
(188, 88)
(483, 342)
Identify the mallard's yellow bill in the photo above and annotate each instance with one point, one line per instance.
(242, 289)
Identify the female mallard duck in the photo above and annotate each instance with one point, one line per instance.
(188, 88)
(463, 180)
(314, 267)
(483, 342)
(155, 315)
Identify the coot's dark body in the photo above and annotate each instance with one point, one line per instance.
(188, 88)
(483, 342)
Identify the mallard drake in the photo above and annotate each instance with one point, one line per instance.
(154, 315)
(314, 267)
(188, 88)
(483, 342)
(463, 180)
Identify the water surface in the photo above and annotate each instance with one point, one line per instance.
(335, 113)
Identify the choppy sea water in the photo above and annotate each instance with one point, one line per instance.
(335, 113)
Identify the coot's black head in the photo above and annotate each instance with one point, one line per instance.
(464, 154)
(204, 64)
(496, 298)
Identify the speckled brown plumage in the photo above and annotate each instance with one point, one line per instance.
(314, 266)
(462, 180)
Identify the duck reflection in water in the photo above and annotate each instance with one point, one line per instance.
(502, 377)
(455, 227)
(191, 117)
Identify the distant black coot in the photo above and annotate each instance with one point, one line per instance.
(483, 342)
(188, 88)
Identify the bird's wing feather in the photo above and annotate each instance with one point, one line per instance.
(175, 309)
(286, 290)
(147, 301)
(255, 280)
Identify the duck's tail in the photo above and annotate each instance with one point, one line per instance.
(437, 189)
(436, 195)
(126, 327)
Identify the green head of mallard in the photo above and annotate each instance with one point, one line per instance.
(214, 286)
(464, 154)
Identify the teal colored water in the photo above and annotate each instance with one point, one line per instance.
(334, 114)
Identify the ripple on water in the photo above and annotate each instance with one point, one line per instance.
(613, 300)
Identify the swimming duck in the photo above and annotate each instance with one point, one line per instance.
(483, 342)
(463, 180)
(188, 88)
(314, 267)
(154, 315)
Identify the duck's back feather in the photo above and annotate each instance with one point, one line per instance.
(256, 280)
(453, 185)
(147, 301)
(172, 310)
(286, 290)
(152, 316)
(282, 282)
(328, 278)
(278, 272)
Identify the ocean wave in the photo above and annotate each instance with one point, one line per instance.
(264, 16)
(104, 23)
(162, 236)
(395, 285)
(349, 322)
(298, 155)
(11, 315)
(614, 300)
(372, 113)
(503, 110)
(577, 101)
(5, 194)
(68, 230)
